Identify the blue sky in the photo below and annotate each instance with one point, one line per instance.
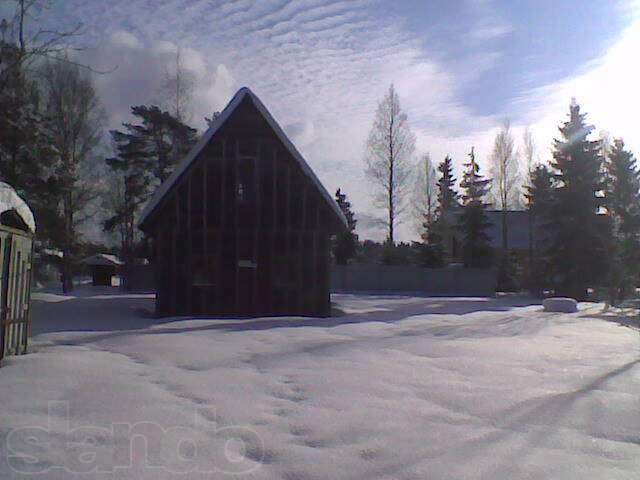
(321, 66)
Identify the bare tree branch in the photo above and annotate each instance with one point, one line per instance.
(389, 151)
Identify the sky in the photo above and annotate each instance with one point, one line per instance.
(461, 67)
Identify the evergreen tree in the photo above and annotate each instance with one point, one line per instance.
(476, 251)
(448, 203)
(539, 197)
(578, 235)
(147, 153)
(447, 195)
(623, 203)
(623, 190)
(345, 245)
(130, 192)
(163, 139)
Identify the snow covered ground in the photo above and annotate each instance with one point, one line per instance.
(395, 388)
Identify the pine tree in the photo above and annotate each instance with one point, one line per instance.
(578, 235)
(476, 250)
(345, 245)
(164, 139)
(147, 153)
(623, 204)
(539, 196)
(130, 192)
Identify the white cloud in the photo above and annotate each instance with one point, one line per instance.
(321, 67)
(125, 39)
(606, 89)
(137, 69)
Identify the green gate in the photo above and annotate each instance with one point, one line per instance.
(15, 290)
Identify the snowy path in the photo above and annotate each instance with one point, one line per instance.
(397, 388)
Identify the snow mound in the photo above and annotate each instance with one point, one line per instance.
(10, 200)
(560, 304)
(404, 388)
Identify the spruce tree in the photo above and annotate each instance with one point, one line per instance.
(578, 235)
(476, 250)
(448, 203)
(345, 244)
(623, 190)
(539, 197)
(623, 204)
(447, 195)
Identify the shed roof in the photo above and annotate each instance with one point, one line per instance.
(10, 200)
(216, 124)
(102, 259)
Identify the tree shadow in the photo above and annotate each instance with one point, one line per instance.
(545, 413)
(624, 319)
(119, 315)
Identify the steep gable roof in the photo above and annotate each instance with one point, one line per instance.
(215, 126)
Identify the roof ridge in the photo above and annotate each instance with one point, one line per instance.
(206, 137)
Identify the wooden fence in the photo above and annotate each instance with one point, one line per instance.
(15, 290)
(449, 281)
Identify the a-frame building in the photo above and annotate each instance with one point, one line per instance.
(242, 226)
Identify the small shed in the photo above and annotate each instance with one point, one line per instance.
(243, 225)
(103, 267)
(17, 230)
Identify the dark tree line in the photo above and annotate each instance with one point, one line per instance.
(584, 217)
(52, 144)
(586, 212)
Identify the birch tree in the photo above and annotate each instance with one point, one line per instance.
(177, 89)
(528, 151)
(74, 119)
(389, 150)
(504, 170)
(425, 196)
(529, 159)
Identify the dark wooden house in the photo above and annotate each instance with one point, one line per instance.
(243, 225)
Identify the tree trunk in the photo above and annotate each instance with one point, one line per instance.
(505, 235)
(391, 215)
(67, 258)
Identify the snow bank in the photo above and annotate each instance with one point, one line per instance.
(560, 304)
(402, 388)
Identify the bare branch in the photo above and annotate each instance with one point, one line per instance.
(389, 151)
